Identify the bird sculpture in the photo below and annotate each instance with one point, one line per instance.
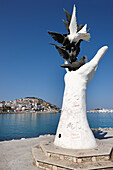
(75, 65)
(71, 41)
(72, 55)
(75, 36)
(60, 38)
(66, 55)
(68, 15)
(67, 23)
(58, 45)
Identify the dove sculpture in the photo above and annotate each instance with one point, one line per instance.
(67, 23)
(71, 55)
(75, 36)
(75, 65)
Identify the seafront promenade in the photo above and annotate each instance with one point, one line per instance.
(17, 154)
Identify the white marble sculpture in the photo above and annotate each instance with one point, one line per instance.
(73, 130)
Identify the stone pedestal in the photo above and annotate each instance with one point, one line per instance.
(48, 156)
(73, 130)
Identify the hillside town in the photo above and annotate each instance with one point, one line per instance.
(27, 104)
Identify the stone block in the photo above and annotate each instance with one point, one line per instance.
(61, 157)
(44, 165)
(106, 158)
(48, 154)
(50, 167)
(87, 159)
(69, 158)
(94, 159)
(41, 165)
(99, 158)
(74, 159)
(56, 156)
(55, 168)
(59, 168)
(37, 163)
(111, 155)
(79, 160)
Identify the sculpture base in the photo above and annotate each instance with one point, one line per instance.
(47, 155)
(83, 139)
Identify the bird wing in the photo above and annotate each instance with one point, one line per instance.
(84, 36)
(68, 15)
(77, 64)
(57, 36)
(79, 27)
(66, 24)
(88, 30)
(73, 23)
(83, 30)
(57, 45)
(78, 47)
(62, 52)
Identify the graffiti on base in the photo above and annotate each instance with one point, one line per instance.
(76, 136)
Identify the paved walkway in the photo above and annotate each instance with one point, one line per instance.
(17, 154)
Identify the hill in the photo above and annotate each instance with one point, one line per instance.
(28, 104)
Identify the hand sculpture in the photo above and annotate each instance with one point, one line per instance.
(73, 130)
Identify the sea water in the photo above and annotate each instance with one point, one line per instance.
(27, 125)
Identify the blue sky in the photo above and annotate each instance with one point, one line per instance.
(29, 66)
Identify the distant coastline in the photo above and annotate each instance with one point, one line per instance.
(101, 110)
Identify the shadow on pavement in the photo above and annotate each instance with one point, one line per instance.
(101, 135)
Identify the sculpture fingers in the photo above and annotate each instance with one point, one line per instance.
(99, 55)
(90, 67)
